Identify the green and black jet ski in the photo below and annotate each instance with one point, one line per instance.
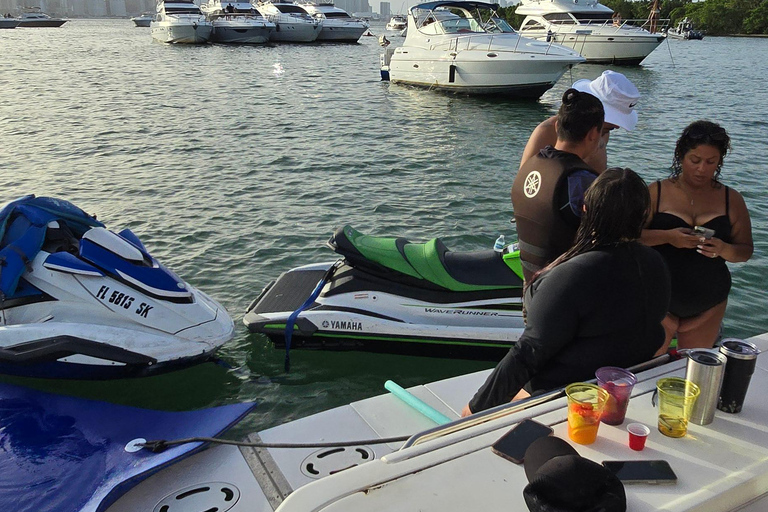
(392, 295)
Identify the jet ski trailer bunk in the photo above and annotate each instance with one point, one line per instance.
(392, 295)
(80, 301)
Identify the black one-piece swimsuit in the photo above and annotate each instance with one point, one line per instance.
(698, 282)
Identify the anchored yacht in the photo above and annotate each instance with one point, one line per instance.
(293, 22)
(590, 28)
(34, 17)
(180, 21)
(466, 47)
(338, 25)
(237, 22)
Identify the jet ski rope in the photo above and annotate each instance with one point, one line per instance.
(289, 324)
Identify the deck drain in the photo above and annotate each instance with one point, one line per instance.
(218, 496)
(332, 460)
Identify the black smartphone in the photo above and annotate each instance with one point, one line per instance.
(642, 471)
(513, 444)
(705, 232)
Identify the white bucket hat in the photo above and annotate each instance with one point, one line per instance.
(618, 95)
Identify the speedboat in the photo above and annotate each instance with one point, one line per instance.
(180, 21)
(143, 20)
(590, 28)
(9, 22)
(237, 22)
(685, 30)
(81, 301)
(293, 22)
(397, 23)
(409, 450)
(338, 25)
(34, 17)
(465, 47)
(391, 295)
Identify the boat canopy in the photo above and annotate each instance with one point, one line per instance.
(460, 5)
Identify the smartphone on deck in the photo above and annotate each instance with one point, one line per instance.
(642, 471)
(705, 232)
(513, 444)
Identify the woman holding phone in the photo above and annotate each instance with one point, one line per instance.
(697, 224)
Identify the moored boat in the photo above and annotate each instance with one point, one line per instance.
(237, 22)
(465, 47)
(397, 23)
(338, 25)
(684, 30)
(293, 24)
(590, 28)
(180, 21)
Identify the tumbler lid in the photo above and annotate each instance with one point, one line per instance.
(738, 349)
(707, 357)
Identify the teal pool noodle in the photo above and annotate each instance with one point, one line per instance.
(405, 396)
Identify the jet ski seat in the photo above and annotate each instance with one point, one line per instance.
(431, 261)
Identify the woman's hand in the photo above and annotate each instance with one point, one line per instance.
(683, 238)
(466, 411)
(712, 247)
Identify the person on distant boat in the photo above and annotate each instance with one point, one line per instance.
(599, 304)
(619, 97)
(694, 196)
(616, 19)
(548, 191)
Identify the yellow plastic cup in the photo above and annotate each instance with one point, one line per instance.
(585, 406)
(676, 399)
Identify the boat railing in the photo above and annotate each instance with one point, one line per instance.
(455, 43)
(510, 409)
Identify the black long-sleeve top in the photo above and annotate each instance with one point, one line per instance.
(601, 308)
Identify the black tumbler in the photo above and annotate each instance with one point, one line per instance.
(742, 357)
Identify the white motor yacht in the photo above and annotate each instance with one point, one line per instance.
(397, 23)
(143, 20)
(465, 47)
(353, 458)
(338, 25)
(293, 22)
(180, 21)
(237, 22)
(590, 28)
(34, 17)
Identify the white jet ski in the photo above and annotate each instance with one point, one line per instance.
(80, 301)
(391, 295)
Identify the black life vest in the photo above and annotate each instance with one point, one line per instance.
(540, 189)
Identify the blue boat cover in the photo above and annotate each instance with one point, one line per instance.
(67, 454)
(23, 224)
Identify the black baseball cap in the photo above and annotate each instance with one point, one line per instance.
(560, 480)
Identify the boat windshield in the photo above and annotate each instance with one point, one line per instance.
(171, 9)
(456, 20)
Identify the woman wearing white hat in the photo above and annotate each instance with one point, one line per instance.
(618, 96)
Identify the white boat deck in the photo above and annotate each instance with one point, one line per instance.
(720, 467)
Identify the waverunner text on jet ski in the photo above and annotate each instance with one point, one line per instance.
(80, 301)
(391, 295)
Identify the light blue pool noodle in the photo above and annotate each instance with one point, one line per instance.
(426, 410)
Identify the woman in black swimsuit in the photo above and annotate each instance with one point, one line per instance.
(693, 196)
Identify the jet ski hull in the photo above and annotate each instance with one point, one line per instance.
(357, 310)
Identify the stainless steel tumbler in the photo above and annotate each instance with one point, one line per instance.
(705, 368)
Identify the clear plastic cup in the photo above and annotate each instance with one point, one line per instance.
(638, 433)
(618, 382)
(676, 399)
(585, 406)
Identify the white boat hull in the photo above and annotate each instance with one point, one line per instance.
(142, 22)
(478, 71)
(341, 32)
(609, 48)
(182, 33)
(300, 32)
(238, 32)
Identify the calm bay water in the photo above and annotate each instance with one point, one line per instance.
(234, 164)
